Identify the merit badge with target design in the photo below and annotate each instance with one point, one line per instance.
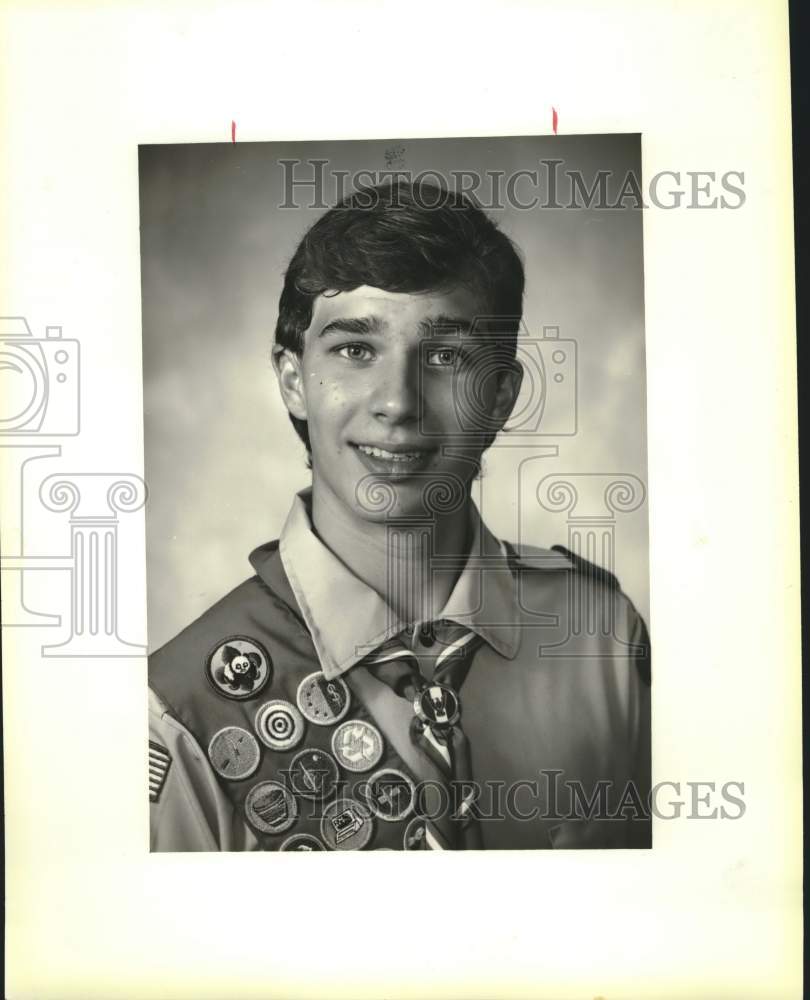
(346, 825)
(239, 667)
(234, 753)
(271, 807)
(314, 774)
(390, 794)
(302, 842)
(321, 701)
(357, 745)
(279, 725)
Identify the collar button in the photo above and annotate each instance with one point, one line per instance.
(426, 636)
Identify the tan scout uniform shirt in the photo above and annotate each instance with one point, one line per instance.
(558, 690)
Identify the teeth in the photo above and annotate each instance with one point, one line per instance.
(390, 456)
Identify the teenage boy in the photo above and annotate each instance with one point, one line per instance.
(388, 677)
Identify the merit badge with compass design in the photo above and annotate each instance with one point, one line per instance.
(313, 773)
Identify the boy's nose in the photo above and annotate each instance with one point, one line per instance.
(396, 396)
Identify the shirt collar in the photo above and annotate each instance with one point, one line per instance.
(347, 619)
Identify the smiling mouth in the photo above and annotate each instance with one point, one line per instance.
(392, 456)
(398, 464)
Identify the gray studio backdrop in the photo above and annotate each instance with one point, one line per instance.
(222, 460)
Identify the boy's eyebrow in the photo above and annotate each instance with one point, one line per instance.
(445, 324)
(354, 324)
(360, 325)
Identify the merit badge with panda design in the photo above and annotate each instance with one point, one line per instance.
(239, 667)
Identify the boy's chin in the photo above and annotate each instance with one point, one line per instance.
(383, 498)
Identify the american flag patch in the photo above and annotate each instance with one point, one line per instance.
(159, 763)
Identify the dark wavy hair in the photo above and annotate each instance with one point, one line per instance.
(401, 237)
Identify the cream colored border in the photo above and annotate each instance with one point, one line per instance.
(714, 909)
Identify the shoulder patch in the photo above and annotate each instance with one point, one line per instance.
(160, 760)
(532, 557)
(584, 566)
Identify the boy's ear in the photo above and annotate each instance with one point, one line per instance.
(287, 366)
(510, 380)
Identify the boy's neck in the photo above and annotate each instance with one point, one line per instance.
(398, 559)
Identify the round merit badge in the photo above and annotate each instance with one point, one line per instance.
(357, 745)
(270, 807)
(279, 725)
(321, 701)
(415, 837)
(437, 705)
(389, 794)
(234, 753)
(314, 774)
(302, 842)
(239, 667)
(346, 825)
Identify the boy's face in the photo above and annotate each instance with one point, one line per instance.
(380, 383)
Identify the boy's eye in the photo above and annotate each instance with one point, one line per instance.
(442, 357)
(356, 352)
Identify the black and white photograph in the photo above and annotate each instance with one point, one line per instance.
(394, 398)
(399, 453)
